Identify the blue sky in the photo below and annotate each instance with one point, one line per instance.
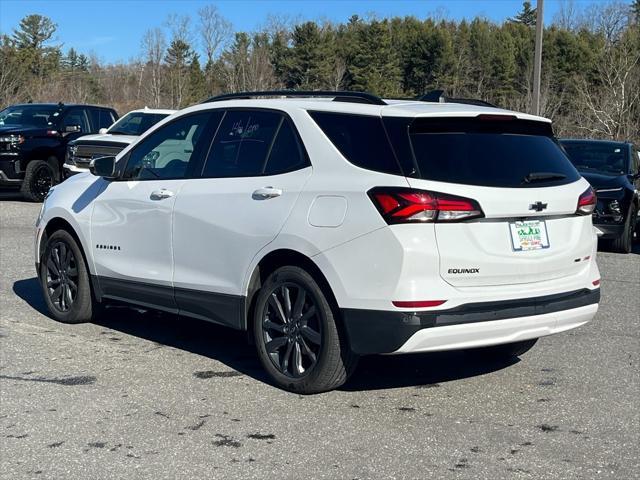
(113, 29)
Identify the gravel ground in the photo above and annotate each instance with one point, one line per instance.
(145, 395)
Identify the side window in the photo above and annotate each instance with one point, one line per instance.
(106, 119)
(286, 154)
(242, 144)
(95, 119)
(361, 139)
(168, 152)
(77, 116)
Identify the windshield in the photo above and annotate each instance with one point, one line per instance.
(29, 115)
(136, 123)
(606, 158)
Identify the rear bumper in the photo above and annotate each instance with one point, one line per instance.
(467, 326)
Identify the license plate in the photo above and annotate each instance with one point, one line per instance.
(529, 235)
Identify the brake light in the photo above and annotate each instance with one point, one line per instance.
(587, 202)
(406, 205)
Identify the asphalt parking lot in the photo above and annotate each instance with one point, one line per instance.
(146, 395)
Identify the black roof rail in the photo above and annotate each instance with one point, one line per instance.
(439, 96)
(338, 96)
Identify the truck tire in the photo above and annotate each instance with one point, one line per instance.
(624, 242)
(39, 177)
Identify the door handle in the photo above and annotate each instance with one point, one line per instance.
(266, 193)
(161, 194)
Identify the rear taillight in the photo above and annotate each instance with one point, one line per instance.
(587, 202)
(406, 205)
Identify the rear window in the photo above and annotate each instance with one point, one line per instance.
(360, 139)
(488, 152)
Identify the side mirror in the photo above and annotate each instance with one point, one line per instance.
(72, 129)
(102, 131)
(103, 167)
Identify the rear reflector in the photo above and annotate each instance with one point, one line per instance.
(595, 283)
(406, 205)
(587, 202)
(419, 304)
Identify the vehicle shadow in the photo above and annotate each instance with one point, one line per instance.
(11, 194)
(231, 348)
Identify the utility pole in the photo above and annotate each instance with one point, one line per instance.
(537, 60)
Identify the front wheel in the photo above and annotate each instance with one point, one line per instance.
(65, 280)
(296, 335)
(39, 177)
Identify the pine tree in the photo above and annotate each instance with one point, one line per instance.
(31, 38)
(197, 82)
(373, 62)
(178, 58)
(527, 16)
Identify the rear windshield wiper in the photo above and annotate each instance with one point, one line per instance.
(542, 176)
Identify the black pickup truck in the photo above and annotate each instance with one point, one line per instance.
(34, 138)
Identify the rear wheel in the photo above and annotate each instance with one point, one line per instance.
(296, 335)
(65, 280)
(39, 177)
(507, 350)
(624, 242)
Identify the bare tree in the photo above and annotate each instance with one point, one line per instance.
(154, 45)
(338, 73)
(610, 19)
(180, 27)
(611, 106)
(568, 17)
(214, 31)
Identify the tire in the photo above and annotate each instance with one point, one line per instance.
(624, 242)
(65, 282)
(507, 350)
(38, 178)
(298, 342)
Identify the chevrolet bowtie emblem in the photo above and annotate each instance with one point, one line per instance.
(538, 206)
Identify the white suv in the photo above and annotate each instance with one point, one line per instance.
(332, 227)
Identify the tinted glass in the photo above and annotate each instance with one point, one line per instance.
(360, 139)
(29, 115)
(513, 153)
(106, 118)
(167, 152)
(136, 123)
(607, 158)
(77, 116)
(286, 154)
(242, 143)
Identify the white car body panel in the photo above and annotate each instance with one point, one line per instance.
(211, 234)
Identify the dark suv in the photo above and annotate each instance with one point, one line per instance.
(613, 170)
(33, 142)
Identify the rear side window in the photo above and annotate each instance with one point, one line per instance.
(286, 153)
(242, 144)
(488, 152)
(360, 139)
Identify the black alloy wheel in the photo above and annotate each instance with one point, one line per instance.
(62, 276)
(42, 181)
(292, 329)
